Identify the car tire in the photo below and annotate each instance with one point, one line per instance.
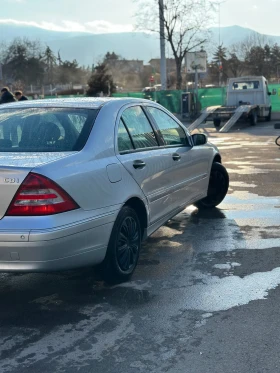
(268, 117)
(254, 118)
(217, 188)
(123, 248)
(217, 122)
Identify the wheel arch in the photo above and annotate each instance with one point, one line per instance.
(217, 158)
(139, 207)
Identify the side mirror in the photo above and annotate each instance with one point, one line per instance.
(269, 93)
(199, 139)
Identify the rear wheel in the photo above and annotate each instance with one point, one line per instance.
(277, 141)
(123, 248)
(217, 188)
(254, 118)
(217, 122)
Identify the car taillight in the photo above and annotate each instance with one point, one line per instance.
(39, 195)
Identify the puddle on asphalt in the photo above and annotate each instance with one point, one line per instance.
(242, 142)
(222, 147)
(238, 145)
(249, 170)
(244, 163)
(226, 228)
(247, 198)
(227, 266)
(215, 294)
(242, 185)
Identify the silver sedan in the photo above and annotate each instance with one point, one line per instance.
(85, 181)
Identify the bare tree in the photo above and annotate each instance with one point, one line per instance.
(186, 25)
(254, 39)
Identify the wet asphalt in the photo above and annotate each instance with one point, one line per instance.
(204, 298)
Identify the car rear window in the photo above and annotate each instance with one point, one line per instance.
(252, 84)
(45, 129)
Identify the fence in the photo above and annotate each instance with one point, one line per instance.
(207, 97)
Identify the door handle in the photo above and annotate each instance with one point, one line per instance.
(176, 157)
(139, 164)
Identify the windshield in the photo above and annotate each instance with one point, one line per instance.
(45, 129)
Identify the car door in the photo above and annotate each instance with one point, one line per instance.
(190, 164)
(138, 149)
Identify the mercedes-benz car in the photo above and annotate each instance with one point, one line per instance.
(84, 181)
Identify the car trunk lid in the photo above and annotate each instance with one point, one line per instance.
(14, 168)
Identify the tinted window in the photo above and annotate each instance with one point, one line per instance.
(44, 129)
(78, 120)
(124, 142)
(51, 118)
(139, 128)
(172, 133)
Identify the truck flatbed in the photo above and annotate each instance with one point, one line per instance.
(247, 98)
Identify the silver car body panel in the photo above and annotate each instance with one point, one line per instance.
(101, 181)
(14, 167)
(166, 183)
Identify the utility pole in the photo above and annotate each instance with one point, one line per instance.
(1, 73)
(162, 45)
(220, 47)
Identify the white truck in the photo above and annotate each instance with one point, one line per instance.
(248, 97)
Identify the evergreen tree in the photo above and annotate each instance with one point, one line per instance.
(50, 61)
(101, 81)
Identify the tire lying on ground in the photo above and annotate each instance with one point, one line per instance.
(217, 188)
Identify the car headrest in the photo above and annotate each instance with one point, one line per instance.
(5, 143)
(48, 132)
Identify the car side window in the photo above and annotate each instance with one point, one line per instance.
(139, 128)
(172, 132)
(124, 142)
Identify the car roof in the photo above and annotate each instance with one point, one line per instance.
(81, 102)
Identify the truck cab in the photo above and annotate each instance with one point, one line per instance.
(250, 90)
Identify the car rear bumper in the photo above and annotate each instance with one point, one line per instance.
(58, 249)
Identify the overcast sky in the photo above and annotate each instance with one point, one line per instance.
(117, 15)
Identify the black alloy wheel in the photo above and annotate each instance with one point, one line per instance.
(128, 244)
(123, 248)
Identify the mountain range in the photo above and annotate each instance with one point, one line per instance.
(89, 48)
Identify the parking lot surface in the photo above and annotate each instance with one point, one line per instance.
(205, 296)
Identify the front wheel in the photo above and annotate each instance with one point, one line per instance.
(123, 248)
(277, 141)
(217, 122)
(217, 188)
(268, 118)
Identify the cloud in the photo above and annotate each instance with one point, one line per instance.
(94, 27)
(100, 26)
(43, 25)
